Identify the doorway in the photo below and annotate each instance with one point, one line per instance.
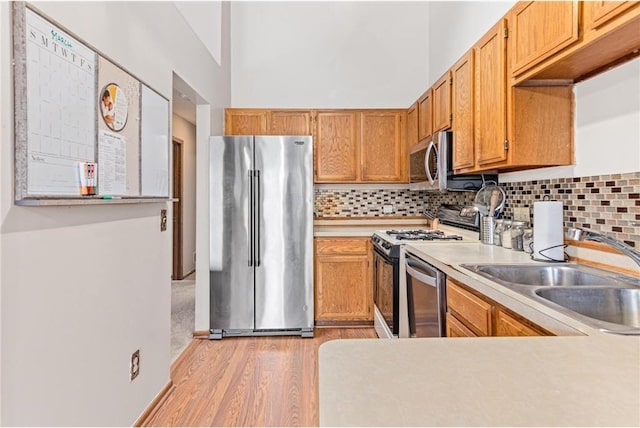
(177, 273)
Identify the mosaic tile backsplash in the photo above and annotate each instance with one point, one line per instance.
(370, 203)
(607, 204)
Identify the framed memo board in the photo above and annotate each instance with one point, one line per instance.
(76, 111)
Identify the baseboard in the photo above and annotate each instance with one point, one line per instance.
(344, 324)
(201, 334)
(153, 407)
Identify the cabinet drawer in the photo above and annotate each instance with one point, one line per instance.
(475, 312)
(329, 246)
(456, 329)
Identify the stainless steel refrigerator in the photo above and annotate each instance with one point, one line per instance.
(261, 236)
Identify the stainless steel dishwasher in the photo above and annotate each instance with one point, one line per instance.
(426, 298)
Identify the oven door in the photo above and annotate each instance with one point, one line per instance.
(386, 290)
(425, 298)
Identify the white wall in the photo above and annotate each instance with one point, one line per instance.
(71, 318)
(454, 26)
(607, 107)
(205, 18)
(328, 54)
(186, 132)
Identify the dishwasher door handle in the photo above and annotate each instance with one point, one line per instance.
(429, 280)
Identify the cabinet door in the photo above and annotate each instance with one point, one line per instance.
(425, 115)
(246, 122)
(343, 285)
(508, 325)
(462, 109)
(491, 96)
(336, 147)
(283, 122)
(602, 12)
(412, 125)
(541, 29)
(383, 148)
(455, 328)
(442, 103)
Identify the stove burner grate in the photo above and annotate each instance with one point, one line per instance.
(422, 235)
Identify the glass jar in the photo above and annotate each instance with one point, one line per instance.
(517, 234)
(497, 232)
(527, 241)
(506, 234)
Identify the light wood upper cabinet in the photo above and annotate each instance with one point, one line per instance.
(343, 281)
(383, 148)
(462, 102)
(425, 115)
(541, 29)
(442, 103)
(246, 122)
(491, 96)
(287, 122)
(337, 146)
(598, 13)
(412, 125)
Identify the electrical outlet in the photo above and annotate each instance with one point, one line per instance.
(163, 220)
(388, 209)
(522, 213)
(134, 367)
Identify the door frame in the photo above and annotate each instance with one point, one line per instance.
(177, 248)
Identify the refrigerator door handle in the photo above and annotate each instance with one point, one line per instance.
(250, 228)
(257, 217)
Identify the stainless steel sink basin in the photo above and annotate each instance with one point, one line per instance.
(547, 274)
(597, 297)
(614, 305)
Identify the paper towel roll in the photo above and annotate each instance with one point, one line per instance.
(548, 231)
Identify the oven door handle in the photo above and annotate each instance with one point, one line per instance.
(429, 280)
(382, 257)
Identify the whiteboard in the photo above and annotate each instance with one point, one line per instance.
(61, 106)
(154, 140)
(73, 106)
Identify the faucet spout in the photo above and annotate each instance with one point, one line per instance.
(588, 235)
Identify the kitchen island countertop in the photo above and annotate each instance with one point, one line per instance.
(581, 377)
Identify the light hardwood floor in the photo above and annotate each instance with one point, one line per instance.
(249, 381)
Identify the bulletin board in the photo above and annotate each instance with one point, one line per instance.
(86, 130)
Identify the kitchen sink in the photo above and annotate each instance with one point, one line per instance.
(548, 274)
(614, 305)
(597, 297)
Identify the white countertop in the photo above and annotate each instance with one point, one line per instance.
(581, 378)
(363, 227)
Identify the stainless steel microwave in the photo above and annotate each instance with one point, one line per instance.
(431, 167)
(424, 166)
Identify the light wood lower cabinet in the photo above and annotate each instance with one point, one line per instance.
(473, 311)
(343, 281)
(512, 325)
(455, 328)
(471, 314)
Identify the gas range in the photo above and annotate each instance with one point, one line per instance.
(389, 241)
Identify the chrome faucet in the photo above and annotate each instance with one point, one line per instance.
(578, 234)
